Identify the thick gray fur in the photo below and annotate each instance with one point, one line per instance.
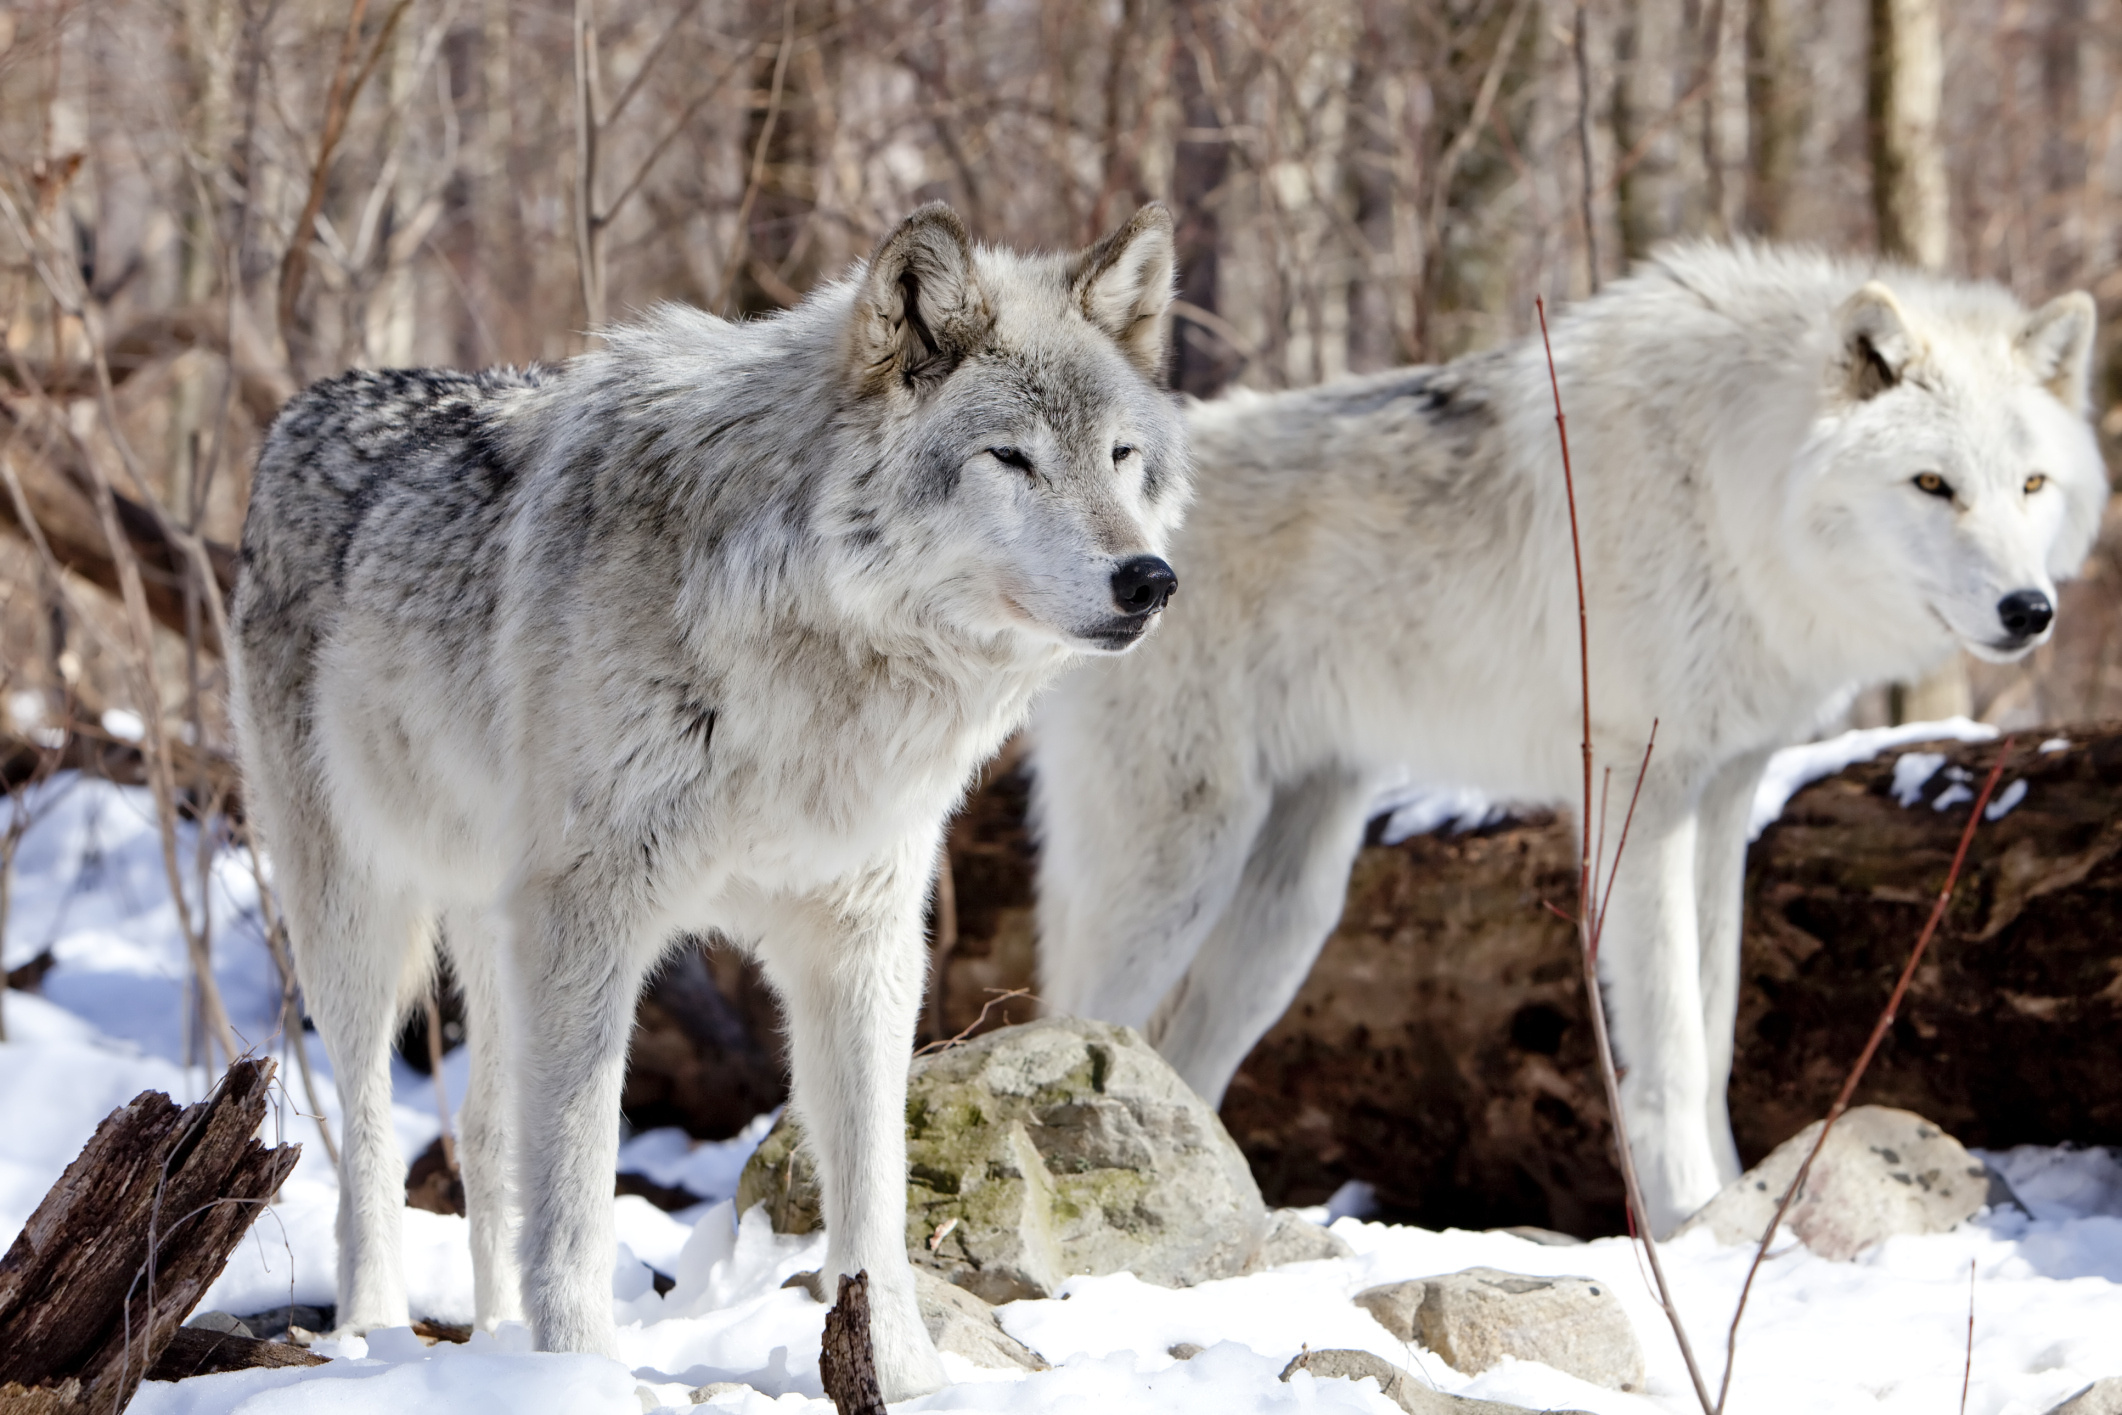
(703, 632)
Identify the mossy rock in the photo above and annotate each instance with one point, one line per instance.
(1046, 1150)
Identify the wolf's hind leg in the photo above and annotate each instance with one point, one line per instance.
(1138, 857)
(849, 971)
(483, 1149)
(1258, 953)
(361, 950)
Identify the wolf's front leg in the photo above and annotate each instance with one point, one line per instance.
(849, 971)
(581, 972)
(1650, 969)
(1720, 892)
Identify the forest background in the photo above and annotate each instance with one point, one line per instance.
(206, 203)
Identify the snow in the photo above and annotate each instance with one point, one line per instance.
(1885, 1333)
(1413, 808)
(1794, 768)
(2009, 797)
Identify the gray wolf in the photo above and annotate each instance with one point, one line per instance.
(702, 632)
(1796, 475)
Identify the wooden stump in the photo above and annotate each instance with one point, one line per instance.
(847, 1362)
(141, 1223)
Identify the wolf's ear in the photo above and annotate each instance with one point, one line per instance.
(1877, 347)
(1125, 283)
(2057, 345)
(921, 308)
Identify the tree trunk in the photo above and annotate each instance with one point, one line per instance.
(1906, 91)
(1775, 115)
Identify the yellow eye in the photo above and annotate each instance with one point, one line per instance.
(1931, 484)
(2035, 482)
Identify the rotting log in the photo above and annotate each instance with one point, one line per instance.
(193, 1351)
(120, 1250)
(1440, 1051)
(85, 747)
(59, 498)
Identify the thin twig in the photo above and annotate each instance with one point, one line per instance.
(338, 104)
(1591, 912)
(1856, 1073)
(741, 239)
(999, 997)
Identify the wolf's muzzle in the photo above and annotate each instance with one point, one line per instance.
(1142, 584)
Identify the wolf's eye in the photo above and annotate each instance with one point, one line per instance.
(1122, 453)
(1012, 457)
(1931, 484)
(2035, 482)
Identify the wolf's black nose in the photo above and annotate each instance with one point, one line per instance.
(2025, 613)
(1143, 584)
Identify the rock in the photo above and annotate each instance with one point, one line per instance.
(1187, 1351)
(227, 1323)
(1883, 1172)
(280, 1323)
(957, 1321)
(1399, 1386)
(1474, 1319)
(1292, 1238)
(1046, 1150)
(2099, 1398)
(701, 1395)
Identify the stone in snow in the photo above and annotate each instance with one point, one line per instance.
(1473, 1319)
(1883, 1172)
(1038, 1152)
(1414, 1396)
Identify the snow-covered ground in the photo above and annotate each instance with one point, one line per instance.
(1885, 1333)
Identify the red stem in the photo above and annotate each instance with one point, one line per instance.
(1856, 1073)
(1590, 918)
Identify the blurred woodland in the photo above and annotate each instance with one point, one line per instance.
(206, 203)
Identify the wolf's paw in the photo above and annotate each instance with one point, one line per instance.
(907, 1363)
(584, 1327)
(907, 1369)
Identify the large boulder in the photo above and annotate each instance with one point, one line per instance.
(1046, 1150)
(1882, 1172)
(1474, 1319)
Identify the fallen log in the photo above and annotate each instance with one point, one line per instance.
(94, 1288)
(196, 1351)
(1440, 1050)
(60, 501)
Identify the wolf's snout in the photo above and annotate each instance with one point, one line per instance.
(2025, 613)
(1142, 585)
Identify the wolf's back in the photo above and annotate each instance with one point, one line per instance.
(380, 492)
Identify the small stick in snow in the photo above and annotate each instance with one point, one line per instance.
(847, 1363)
(1856, 1073)
(1967, 1372)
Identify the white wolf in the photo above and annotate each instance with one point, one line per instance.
(703, 632)
(1796, 475)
